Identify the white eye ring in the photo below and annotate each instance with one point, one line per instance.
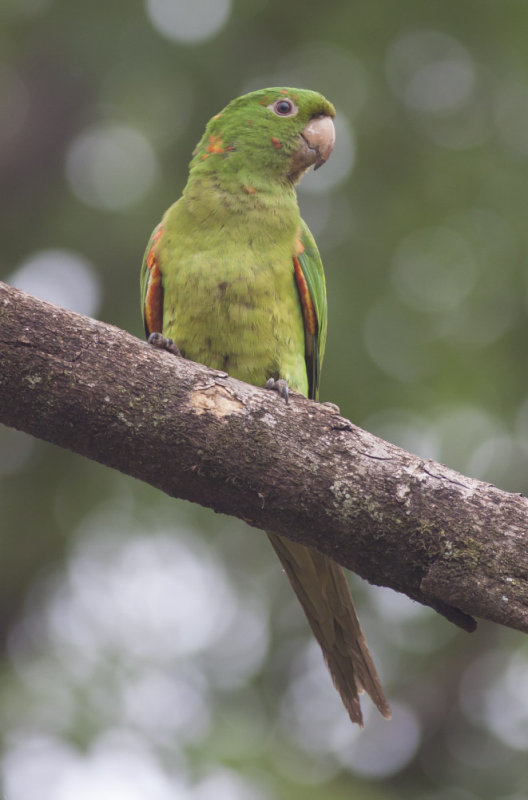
(284, 107)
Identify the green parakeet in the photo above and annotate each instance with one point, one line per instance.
(233, 276)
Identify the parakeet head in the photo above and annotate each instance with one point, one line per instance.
(272, 134)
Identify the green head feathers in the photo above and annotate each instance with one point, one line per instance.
(272, 134)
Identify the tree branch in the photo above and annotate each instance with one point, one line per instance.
(299, 470)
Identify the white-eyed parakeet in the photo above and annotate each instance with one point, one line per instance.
(233, 276)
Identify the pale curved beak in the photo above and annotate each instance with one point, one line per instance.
(316, 142)
(319, 135)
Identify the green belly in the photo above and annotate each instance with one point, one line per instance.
(240, 316)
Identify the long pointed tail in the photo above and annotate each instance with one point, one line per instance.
(323, 592)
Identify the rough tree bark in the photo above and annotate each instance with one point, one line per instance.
(300, 470)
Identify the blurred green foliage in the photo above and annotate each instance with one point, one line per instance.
(153, 650)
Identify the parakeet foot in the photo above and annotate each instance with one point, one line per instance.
(279, 386)
(160, 341)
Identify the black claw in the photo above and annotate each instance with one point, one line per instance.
(279, 386)
(157, 340)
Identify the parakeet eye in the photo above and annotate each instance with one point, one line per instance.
(284, 107)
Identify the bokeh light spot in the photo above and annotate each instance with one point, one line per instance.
(434, 269)
(61, 277)
(394, 340)
(462, 430)
(118, 766)
(430, 71)
(110, 166)
(494, 694)
(406, 429)
(165, 706)
(166, 598)
(15, 450)
(188, 20)
(384, 749)
(222, 784)
(511, 115)
(33, 766)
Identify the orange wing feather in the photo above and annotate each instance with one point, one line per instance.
(154, 295)
(307, 306)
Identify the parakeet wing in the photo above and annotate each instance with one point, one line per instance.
(312, 292)
(152, 286)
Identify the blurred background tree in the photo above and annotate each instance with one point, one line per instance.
(152, 650)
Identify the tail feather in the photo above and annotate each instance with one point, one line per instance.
(322, 590)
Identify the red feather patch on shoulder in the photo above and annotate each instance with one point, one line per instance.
(299, 247)
(215, 144)
(154, 293)
(307, 306)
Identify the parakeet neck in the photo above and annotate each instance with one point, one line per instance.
(241, 201)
